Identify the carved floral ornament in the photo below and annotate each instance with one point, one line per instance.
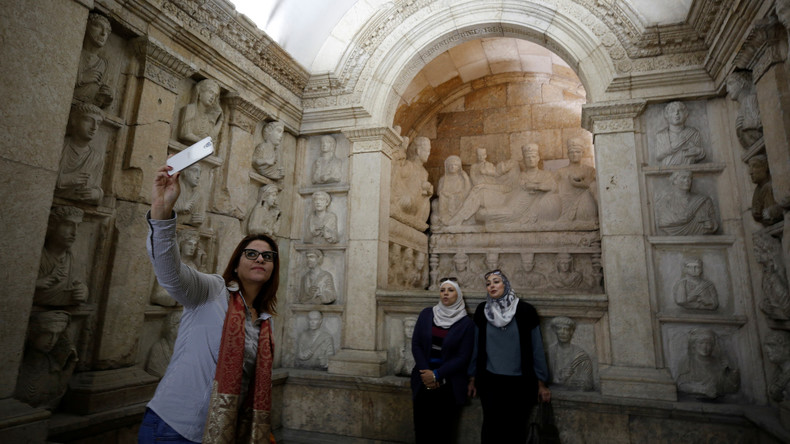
(611, 117)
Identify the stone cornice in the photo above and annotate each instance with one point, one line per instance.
(159, 64)
(243, 113)
(369, 139)
(612, 117)
(765, 46)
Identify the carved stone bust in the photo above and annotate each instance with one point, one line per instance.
(321, 223)
(765, 210)
(82, 165)
(528, 277)
(58, 283)
(775, 301)
(569, 364)
(467, 278)
(203, 116)
(694, 291)
(266, 158)
(327, 167)
(190, 205)
(49, 360)
(678, 144)
(315, 345)
(679, 212)
(91, 86)
(406, 358)
(564, 276)
(748, 124)
(162, 350)
(264, 216)
(706, 371)
(318, 285)
(777, 351)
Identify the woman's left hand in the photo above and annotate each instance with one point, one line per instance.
(544, 394)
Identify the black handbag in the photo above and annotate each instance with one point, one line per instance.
(542, 429)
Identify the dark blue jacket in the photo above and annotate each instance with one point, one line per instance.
(456, 353)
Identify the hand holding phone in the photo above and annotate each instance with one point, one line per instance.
(191, 155)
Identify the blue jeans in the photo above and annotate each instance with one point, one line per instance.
(155, 429)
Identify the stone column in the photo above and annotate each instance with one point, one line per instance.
(366, 256)
(632, 372)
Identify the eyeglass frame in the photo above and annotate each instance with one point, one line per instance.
(497, 272)
(451, 279)
(262, 254)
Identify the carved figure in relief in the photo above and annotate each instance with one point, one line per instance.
(327, 167)
(678, 144)
(706, 372)
(405, 357)
(776, 297)
(529, 278)
(748, 124)
(782, 9)
(203, 116)
(91, 86)
(49, 360)
(467, 277)
(569, 364)
(412, 190)
(694, 291)
(191, 206)
(58, 283)
(407, 267)
(162, 350)
(765, 210)
(483, 172)
(395, 265)
(264, 216)
(266, 158)
(419, 279)
(318, 285)
(679, 212)
(777, 351)
(492, 261)
(577, 186)
(81, 165)
(191, 255)
(565, 276)
(453, 188)
(321, 223)
(315, 345)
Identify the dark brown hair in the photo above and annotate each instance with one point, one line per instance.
(266, 300)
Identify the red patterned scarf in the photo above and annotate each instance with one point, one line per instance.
(226, 422)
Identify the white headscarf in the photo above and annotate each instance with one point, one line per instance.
(444, 316)
(500, 311)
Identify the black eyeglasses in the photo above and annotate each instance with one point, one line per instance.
(451, 278)
(268, 256)
(497, 272)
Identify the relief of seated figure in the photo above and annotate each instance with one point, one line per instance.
(694, 291)
(453, 188)
(321, 223)
(91, 86)
(765, 210)
(162, 350)
(777, 351)
(58, 283)
(525, 198)
(706, 372)
(190, 205)
(318, 285)
(577, 186)
(266, 158)
(679, 212)
(327, 167)
(203, 116)
(264, 216)
(748, 124)
(82, 165)
(565, 276)
(529, 278)
(49, 360)
(411, 190)
(484, 171)
(569, 364)
(678, 144)
(315, 345)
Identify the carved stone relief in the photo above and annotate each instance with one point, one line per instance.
(162, 350)
(405, 362)
(577, 186)
(59, 283)
(267, 159)
(314, 345)
(407, 268)
(202, 117)
(782, 9)
(680, 212)
(678, 143)
(706, 372)
(775, 301)
(693, 291)
(569, 364)
(327, 167)
(322, 226)
(264, 216)
(191, 205)
(748, 124)
(82, 164)
(317, 284)
(410, 189)
(777, 351)
(48, 362)
(453, 188)
(91, 86)
(193, 254)
(765, 210)
(527, 276)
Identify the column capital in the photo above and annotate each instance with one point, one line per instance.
(368, 140)
(159, 65)
(765, 46)
(243, 113)
(612, 117)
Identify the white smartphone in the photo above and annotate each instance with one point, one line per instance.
(191, 155)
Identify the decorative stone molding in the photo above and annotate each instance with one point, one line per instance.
(366, 140)
(243, 113)
(764, 47)
(612, 117)
(160, 65)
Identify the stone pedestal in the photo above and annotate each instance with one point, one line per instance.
(21, 423)
(99, 391)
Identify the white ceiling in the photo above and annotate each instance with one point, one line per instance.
(304, 27)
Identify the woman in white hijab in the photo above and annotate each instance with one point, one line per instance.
(509, 365)
(442, 347)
